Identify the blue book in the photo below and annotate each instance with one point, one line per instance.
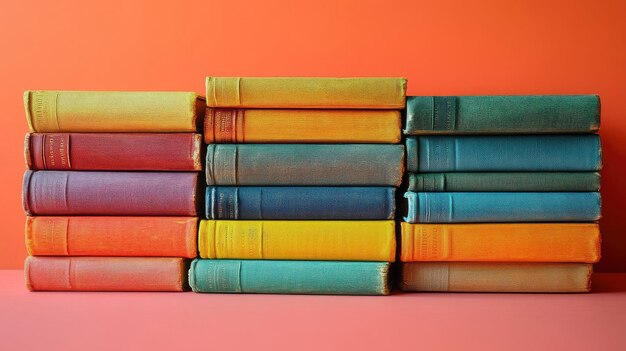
(502, 207)
(289, 277)
(300, 202)
(513, 153)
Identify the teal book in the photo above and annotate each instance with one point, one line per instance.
(521, 114)
(504, 153)
(289, 277)
(305, 164)
(505, 181)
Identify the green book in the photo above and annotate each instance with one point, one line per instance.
(505, 181)
(289, 277)
(522, 114)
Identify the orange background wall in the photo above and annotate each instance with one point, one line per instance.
(442, 47)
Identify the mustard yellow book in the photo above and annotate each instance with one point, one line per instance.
(372, 93)
(501, 242)
(113, 111)
(239, 125)
(298, 240)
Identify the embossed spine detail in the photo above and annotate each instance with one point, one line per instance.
(41, 110)
(224, 125)
(52, 238)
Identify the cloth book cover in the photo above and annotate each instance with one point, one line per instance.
(297, 202)
(502, 153)
(113, 111)
(501, 242)
(289, 277)
(114, 151)
(475, 207)
(283, 92)
(238, 125)
(522, 114)
(298, 240)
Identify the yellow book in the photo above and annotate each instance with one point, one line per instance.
(373, 93)
(298, 240)
(501, 242)
(112, 111)
(237, 125)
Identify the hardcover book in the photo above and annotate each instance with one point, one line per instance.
(514, 242)
(274, 202)
(289, 277)
(498, 153)
(236, 125)
(366, 93)
(113, 111)
(112, 236)
(504, 181)
(304, 164)
(522, 114)
(114, 151)
(502, 207)
(298, 240)
(110, 193)
(105, 273)
(496, 277)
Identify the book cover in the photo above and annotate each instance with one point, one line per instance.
(504, 153)
(291, 92)
(521, 114)
(114, 151)
(276, 202)
(298, 240)
(496, 277)
(237, 125)
(112, 236)
(510, 242)
(473, 207)
(105, 273)
(289, 277)
(304, 164)
(111, 193)
(50, 111)
(504, 181)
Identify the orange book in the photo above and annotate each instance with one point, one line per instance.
(105, 273)
(507, 242)
(112, 236)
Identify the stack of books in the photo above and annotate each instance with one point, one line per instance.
(301, 176)
(111, 191)
(511, 206)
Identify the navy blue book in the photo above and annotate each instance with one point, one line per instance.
(502, 207)
(512, 153)
(268, 202)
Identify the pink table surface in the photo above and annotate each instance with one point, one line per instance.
(424, 321)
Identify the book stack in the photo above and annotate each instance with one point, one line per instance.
(301, 176)
(513, 205)
(111, 189)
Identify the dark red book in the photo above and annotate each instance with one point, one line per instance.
(114, 151)
(110, 193)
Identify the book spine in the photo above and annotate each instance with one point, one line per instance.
(298, 240)
(112, 236)
(110, 193)
(110, 111)
(496, 277)
(230, 125)
(505, 182)
(304, 164)
(289, 277)
(518, 153)
(470, 207)
(533, 114)
(300, 202)
(119, 151)
(350, 93)
(105, 273)
(533, 242)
